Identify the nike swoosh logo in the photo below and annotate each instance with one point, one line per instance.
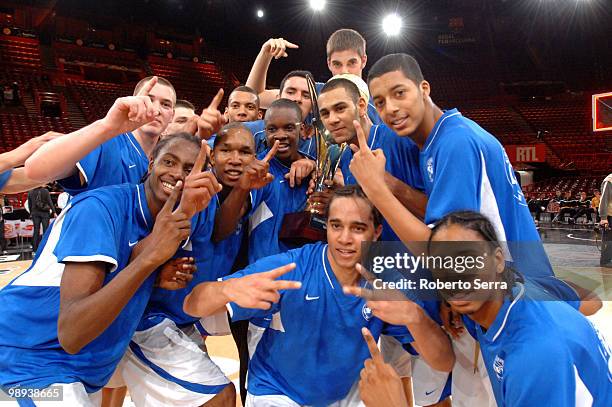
(132, 243)
(427, 393)
(132, 166)
(309, 298)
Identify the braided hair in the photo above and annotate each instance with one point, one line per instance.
(480, 224)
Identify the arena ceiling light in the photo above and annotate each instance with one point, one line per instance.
(260, 13)
(317, 5)
(392, 24)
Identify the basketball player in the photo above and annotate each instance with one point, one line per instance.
(283, 122)
(293, 87)
(463, 167)
(183, 119)
(341, 101)
(346, 53)
(569, 366)
(84, 295)
(242, 105)
(309, 312)
(112, 150)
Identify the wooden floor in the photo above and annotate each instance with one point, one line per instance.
(223, 350)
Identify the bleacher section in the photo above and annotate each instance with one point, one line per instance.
(195, 82)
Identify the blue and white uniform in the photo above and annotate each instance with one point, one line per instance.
(4, 178)
(165, 363)
(97, 226)
(268, 207)
(465, 168)
(117, 161)
(321, 322)
(545, 353)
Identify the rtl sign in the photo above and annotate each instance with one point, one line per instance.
(533, 153)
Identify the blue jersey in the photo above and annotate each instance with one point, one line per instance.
(402, 161)
(466, 168)
(226, 251)
(319, 322)
(97, 226)
(269, 205)
(4, 178)
(117, 161)
(169, 303)
(545, 353)
(372, 113)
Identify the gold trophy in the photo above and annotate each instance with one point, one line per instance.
(309, 225)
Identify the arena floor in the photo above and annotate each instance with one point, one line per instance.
(573, 250)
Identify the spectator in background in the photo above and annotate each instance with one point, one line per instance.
(595, 204)
(41, 207)
(16, 94)
(566, 206)
(583, 207)
(8, 95)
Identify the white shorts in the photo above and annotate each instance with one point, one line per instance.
(427, 384)
(470, 388)
(254, 335)
(165, 365)
(73, 394)
(351, 400)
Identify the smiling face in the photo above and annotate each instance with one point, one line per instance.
(172, 164)
(465, 301)
(284, 125)
(347, 61)
(231, 156)
(338, 110)
(163, 99)
(242, 107)
(349, 223)
(296, 89)
(400, 102)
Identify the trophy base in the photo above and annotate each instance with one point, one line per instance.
(301, 228)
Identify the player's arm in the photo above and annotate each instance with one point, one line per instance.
(368, 168)
(255, 176)
(19, 182)
(257, 291)
(18, 156)
(57, 159)
(273, 48)
(391, 306)
(87, 307)
(412, 199)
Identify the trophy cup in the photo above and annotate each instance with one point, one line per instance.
(309, 226)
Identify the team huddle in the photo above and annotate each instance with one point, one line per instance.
(173, 233)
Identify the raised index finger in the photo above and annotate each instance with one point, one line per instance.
(363, 141)
(272, 152)
(279, 271)
(198, 166)
(374, 351)
(291, 45)
(146, 89)
(216, 100)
